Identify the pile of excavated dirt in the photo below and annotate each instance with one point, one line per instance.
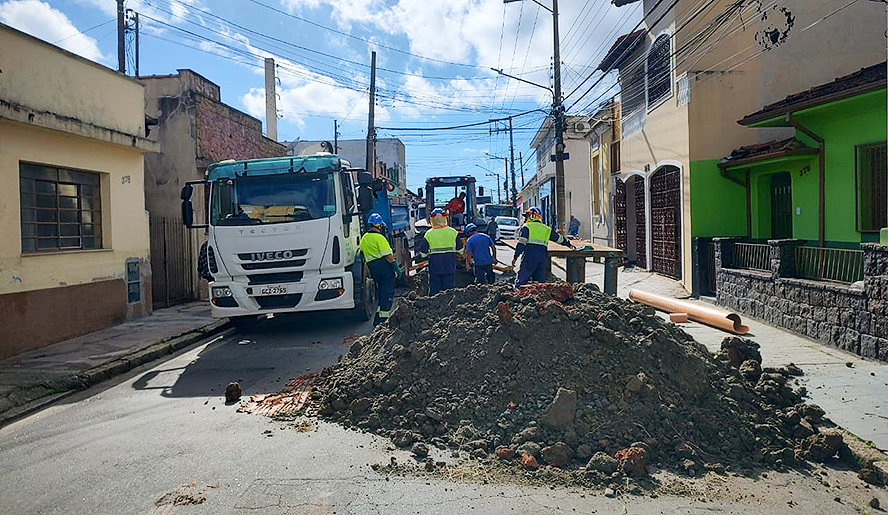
(568, 377)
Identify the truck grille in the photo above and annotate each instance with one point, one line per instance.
(273, 278)
(279, 301)
(273, 264)
(296, 253)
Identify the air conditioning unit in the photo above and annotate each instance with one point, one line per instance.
(582, 127)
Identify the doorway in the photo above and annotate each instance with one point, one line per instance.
(666, 221)
(781, 206)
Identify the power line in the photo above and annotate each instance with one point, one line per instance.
(84, 31)
(475, 124)
(372, 43)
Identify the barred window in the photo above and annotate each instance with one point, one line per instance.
(659, 78)
(61, 209)
(872, 187)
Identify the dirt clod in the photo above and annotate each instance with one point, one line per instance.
(232, 392)
(529, 462)
(633, 461)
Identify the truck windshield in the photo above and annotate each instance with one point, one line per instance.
(496, 210)
(268, 199)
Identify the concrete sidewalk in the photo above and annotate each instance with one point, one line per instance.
(36, 378)
(852, 390)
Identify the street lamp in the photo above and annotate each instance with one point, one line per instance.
(557, 113)
(499, 198)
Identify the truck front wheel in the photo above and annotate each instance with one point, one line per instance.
(365, 309)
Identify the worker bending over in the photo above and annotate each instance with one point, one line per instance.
(382, 265)
(481, 252)
(440, 245)
(533, 245)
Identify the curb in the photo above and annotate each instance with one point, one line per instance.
(118, 366)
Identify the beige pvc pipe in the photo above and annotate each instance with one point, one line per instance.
(717, 318)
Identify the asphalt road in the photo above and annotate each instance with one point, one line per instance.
(125, 446)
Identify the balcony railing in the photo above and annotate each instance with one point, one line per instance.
(752, 256)
(828, 264)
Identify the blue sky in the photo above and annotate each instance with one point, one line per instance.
(433, 58)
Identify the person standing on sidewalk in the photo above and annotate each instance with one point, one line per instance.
(440, 245)
(533, 245)
(481, 252)
(382, 265)
(573, 228)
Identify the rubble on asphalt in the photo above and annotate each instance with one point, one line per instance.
(552, 376)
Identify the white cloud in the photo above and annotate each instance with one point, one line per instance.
(178, 8)
(489, 33)
(40, 20)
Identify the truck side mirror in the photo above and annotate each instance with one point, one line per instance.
(187, 210)
(187, 190)
(419, 193)
(481, 190)
(365, 192)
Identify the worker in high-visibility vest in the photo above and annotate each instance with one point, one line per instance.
(440, 245)
(382, 265)
(533, 247)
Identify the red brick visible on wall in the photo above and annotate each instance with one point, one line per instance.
(226, 133)
(27, 315)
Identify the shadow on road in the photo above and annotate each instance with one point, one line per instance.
(261, 359)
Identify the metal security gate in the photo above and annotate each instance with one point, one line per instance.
(666, 222)
(172, 262)
(781, 206)
(620, 227)
(640, 224)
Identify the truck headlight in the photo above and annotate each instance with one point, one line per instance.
(330, 284)
(221, 291)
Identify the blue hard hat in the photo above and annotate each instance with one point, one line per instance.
(375, 219)
(438, 212)
(471, 227)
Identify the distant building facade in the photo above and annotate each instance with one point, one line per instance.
(391, 157)
(74, 252)
(194, 129)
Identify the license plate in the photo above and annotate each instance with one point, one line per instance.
(273, 290)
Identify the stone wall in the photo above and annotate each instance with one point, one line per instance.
(226, 133)
(846, 317)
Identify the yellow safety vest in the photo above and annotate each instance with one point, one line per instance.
(441, 240)
(538, 234)
(375, 246)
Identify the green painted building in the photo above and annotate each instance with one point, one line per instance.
(827, 185)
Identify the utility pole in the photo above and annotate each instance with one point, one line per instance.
(137, 42)
(560, 212)
(271, 122)
(336, 136)
(512, 152)
(521, 162)
(371, 129)
(557, 114)
(514, 196)
(121, 35)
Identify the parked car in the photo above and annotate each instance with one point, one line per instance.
(507, 228)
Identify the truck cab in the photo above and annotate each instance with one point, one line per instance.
(283, 236)
(439, 191)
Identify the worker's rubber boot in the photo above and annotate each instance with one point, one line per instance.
(377, 320)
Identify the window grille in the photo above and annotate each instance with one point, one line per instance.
(61, 209)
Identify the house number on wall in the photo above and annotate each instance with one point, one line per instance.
(804, 171)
